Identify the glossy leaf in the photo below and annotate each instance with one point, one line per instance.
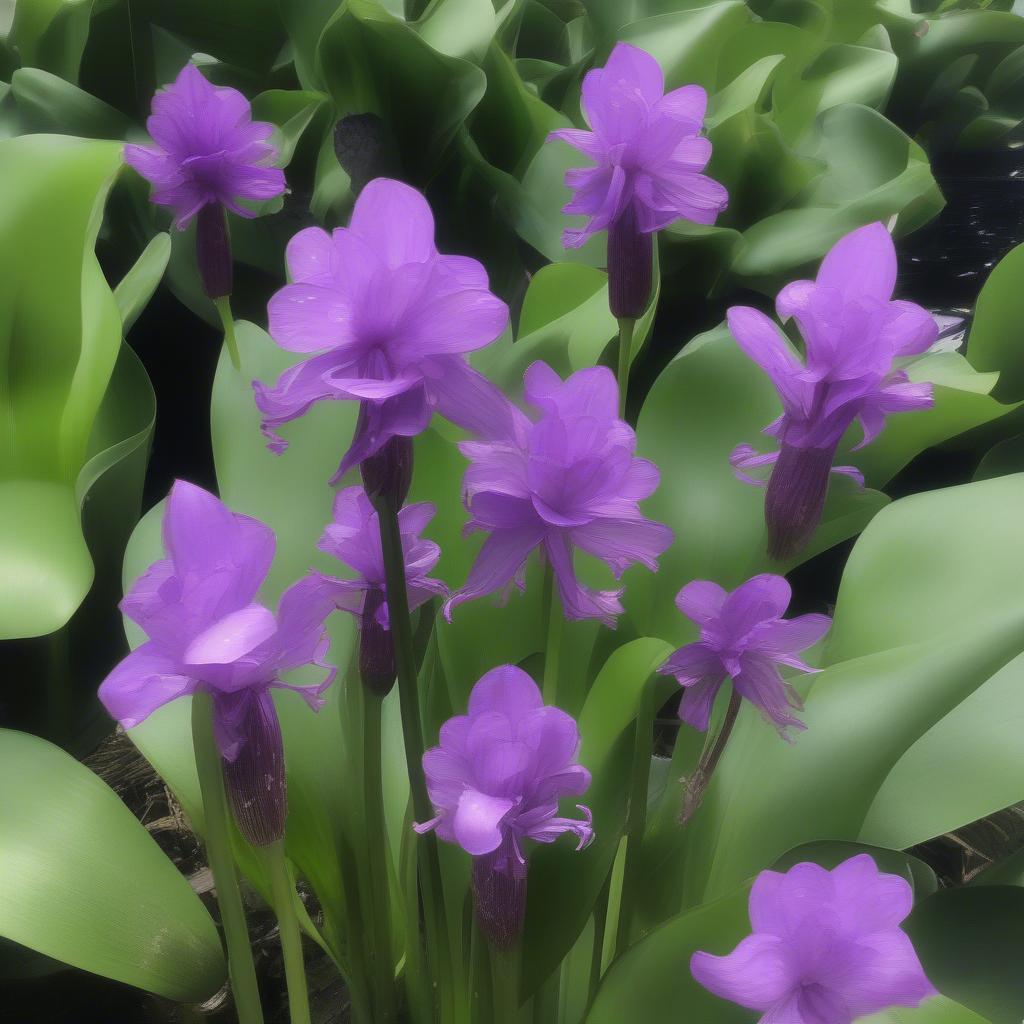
(992, 344)
(85, 883)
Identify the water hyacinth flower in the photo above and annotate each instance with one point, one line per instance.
(208, 156)
(648, 153)
(207, 632)
(826, 947)
(495, 781)
(568, 479)
(391, 320)
(853, 333)
(743, 636)
(353, 537)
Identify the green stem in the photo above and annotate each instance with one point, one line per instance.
(636, 821)
(218, 850)
(698, 783)
(227, 320)
(376, 837)
(626, 328)
(505, 985)
(553, 648)
(412, 733)
(283, 893)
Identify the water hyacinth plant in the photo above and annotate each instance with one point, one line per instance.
(604, 733)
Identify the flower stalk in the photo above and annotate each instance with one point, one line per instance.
(283, 894)
(227, 321)
(697, 784)
(627, 326)
(241, 969)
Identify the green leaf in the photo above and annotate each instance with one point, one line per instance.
(85, 883)
(971, 942)
(652, 980)
(938, 1010)
(992, 343)
(60, 340)
(47, 103)
(136, 288)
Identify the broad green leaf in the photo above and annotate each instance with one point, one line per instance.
(992, 343)
(971, 942)
(652, 981)
(459, 28)
(51, 34)
(85, 883)
(60, 341)
(937, 1010)
(291, 111)
(1002, 459)
(47, 103)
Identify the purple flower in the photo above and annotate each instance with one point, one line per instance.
(649, 155)
(391, 319)
(853, 333)
(567, 480)
(354, 539)
(207, 632)
(827, 947)
(207, 150)
(495, 781)
(742, 636)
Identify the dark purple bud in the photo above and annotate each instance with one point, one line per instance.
(499, 896)
(376, 648)
(630, 266)
(388, 472)
(366, 149)
(213, 251)
(795, 498)
(255, 780)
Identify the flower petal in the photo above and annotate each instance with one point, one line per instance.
(507, 691)
(232, 636)
(477, 822)
(502, 556)
(861, 263)
(396, 221)
(146, 679)
(756, 974)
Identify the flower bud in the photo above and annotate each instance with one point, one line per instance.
(388, 472)
(630, 267)
(376, 647)
(499, 896)
(213, 251)
(255, 779)
(795, 498)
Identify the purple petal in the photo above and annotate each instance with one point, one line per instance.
(296, 391)
(447, 324)
(502, 556)
(146, 679)
(620, 543)
(861, 263)
(477, 823)
(880, 972)
(760, 339)
(470, 400)
(780, 640)
(701, 601)
(756, 974)
(869, 900)
(698, 701)
(761, 598)
(680, 193)
(309, 317)
(578, 601)
(759, 681)
(396, 221)
(310, 257)
(909, 330)
(506, 691)
(586, 142)
(687, 105)
(780, 902)
(231, 637)
(636, 70)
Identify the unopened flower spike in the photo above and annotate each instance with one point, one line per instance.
(495, 781)
(826, 948)
(385, 320)
(567, 479)
(853, 332)
(649, 155)
(208, 632)
(208, 156)
(353, 537)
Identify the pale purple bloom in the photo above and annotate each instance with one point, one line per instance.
(353, 537)
(208, 632)
(743, 636)
(853, 334)
(648, 153)
(495, 781)
(207, 149)
(826, 948)
(392, 320)
(567, 480)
